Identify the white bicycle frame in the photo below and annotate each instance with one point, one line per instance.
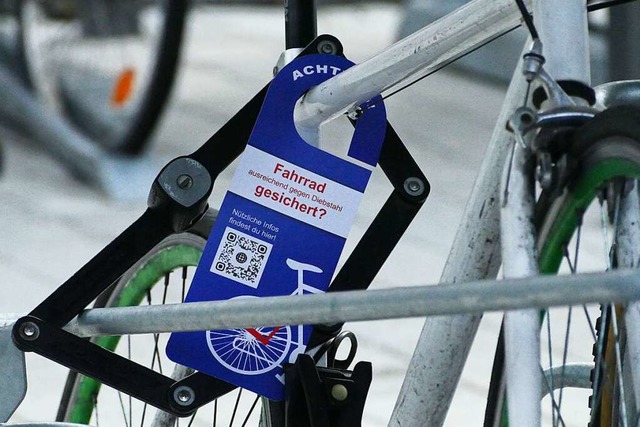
(444, 343)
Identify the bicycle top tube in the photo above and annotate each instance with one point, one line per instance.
(426, 50)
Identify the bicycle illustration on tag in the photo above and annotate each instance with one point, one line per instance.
(257, 351)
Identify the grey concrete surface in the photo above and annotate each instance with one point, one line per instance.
(50, 224)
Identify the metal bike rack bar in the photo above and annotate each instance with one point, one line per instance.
(471, 297)
(55, 424)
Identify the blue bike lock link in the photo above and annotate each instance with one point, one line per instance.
(280, 231)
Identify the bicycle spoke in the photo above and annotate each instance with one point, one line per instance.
(573, 266)
(124, 411)
(235, 407)
(555, 412)
(144, 414)
(215, 413)
(167, 276)
(592, 328)
(246, 420)
(156, 337)
(567, 257)
(564, 356)
(156, 354)
(193, 417)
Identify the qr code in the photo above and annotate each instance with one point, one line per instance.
(241, 257)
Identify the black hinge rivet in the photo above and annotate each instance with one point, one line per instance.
(183, 395)
(29, 331)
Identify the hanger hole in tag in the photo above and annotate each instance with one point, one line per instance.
(333, 136)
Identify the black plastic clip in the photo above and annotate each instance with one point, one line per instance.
(325, 397)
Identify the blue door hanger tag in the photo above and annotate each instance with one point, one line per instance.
(280, 231)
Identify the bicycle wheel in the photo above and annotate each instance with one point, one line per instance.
(162, 276)
(578, 228)
(106, 65)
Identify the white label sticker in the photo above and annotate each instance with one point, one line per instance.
(295, 192)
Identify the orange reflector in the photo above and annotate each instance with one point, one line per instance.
(123, 88)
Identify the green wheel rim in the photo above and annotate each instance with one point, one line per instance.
(578, 201)
(132, 294)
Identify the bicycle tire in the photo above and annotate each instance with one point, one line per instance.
(106, 90)
(82, 396)
(606, 150)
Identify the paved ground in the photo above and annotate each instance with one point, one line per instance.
(51, 224)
